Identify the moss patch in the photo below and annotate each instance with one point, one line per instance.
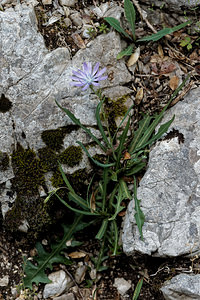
(28, 204)
(114, 109)
(71, 156)
(54, 138)
(48, 159)
(5, 104)
(4, 161)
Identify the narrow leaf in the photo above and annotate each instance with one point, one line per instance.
(137, 289)
(124, 118)
(95, 161)
(121, 146)
(126, 52)
(139, 216)
(70, 188)
(78, 200)
(77, 122)
(135, 169)
(102, 229)
(143, 125)
(157, 36)
(80, 212)
(130, 15)
(144, 140)
(124, 189)
(116, 25)
(98, 109)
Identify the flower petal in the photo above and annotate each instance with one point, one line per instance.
(99, 73)
(86, 87)
(96, 68)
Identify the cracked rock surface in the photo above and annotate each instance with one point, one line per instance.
(182, 287)
(170, 189)
(31, 78)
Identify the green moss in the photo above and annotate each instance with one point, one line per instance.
(5, 104)
(54, 138)
(114, 109)
(71, 156)
(4, 161)
(48, 159)
(28, 204)
(27, 169)
(57, 180)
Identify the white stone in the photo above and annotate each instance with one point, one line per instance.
(70, 3)
(4, 281)
(60, 283)
(122, 285)
(46, 2)
(169, 190)
(76, 19)
(182, 287)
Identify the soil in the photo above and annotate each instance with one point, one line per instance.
(155, 271)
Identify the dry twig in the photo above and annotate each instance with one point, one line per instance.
(143, 17)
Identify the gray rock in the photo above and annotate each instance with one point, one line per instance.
(76, 19)
(31, 78)
(61, 282)
(69, 296)
(170, 189)
(70, 3)
(176, 5)
(122, 285)
(4, 281)
(182, 287)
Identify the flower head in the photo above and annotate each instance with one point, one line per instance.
(88, 76)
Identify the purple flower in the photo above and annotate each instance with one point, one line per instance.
(88, 76)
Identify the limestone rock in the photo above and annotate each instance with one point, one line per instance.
(182, 287)
(122, 285)
(60, 283)
(31, 79)
(176, 5)
(170, 189)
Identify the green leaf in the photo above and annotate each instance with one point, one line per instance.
(77, 122)
(78, 200)
(95, 161)
(36, 273)
(143, 125)
(98, 109)
(157, 36)
(126, 52)
(102, 229)
(146, 136)
(122, 143)
(130, 15)
(124, 118)
(139, 216)
(116, 237)
(137, 289)
(116, 25)
(125, 192)
(78, 211)
(135, 169)
(163, 128)
(70, 188)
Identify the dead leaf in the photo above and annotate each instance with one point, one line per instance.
(139, 96)
(77, 254)
(167, 67)
(122, 213)
(160, 51)
(173, 83)
(78, 40)
(134, 57)
(127, 155)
